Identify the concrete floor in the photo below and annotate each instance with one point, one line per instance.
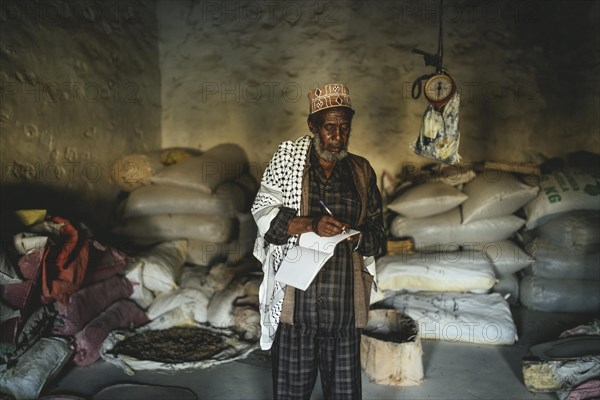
(452, 370)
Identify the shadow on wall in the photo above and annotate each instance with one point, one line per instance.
(72, 205)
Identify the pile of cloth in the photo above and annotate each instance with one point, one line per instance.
(61, 293)
(569, 365)
(204, 198)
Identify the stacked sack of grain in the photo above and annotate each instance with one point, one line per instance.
(461, 242)
(434, 219)
(204, 199)
(479, 219)
(496, 195)
(563, 235)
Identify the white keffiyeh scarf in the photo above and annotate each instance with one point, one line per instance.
(281, 185)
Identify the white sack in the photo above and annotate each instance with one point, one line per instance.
(454, 317)
(427, 199)
(204, 253)
(26, 242)
(158, 228)
(493, 194)
(442, 272)
(196, 301)
(446, 229)
(507, 257)
(219, 276)
(163, 265)
(241, 291)
(155, 199)
(562, 191)
(237, 195)
(141, 295)
(194, 277)
(560, 295)
(204, 173)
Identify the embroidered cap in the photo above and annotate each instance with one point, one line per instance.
(328, 96)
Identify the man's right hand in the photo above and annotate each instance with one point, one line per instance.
(328, 226)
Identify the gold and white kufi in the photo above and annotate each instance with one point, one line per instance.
(329, 96)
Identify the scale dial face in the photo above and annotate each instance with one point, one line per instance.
(439, 88)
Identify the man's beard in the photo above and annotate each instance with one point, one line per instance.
(326, 154)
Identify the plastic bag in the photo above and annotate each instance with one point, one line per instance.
(439, 135)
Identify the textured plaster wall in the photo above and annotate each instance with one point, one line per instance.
(240, 71)
(83, 82)
(80, 87)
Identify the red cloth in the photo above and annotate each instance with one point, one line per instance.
(104, 262)
(588, 390)
(64, 264)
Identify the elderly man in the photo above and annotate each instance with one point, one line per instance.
(313, 184)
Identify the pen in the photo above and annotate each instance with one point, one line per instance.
(328, 211)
